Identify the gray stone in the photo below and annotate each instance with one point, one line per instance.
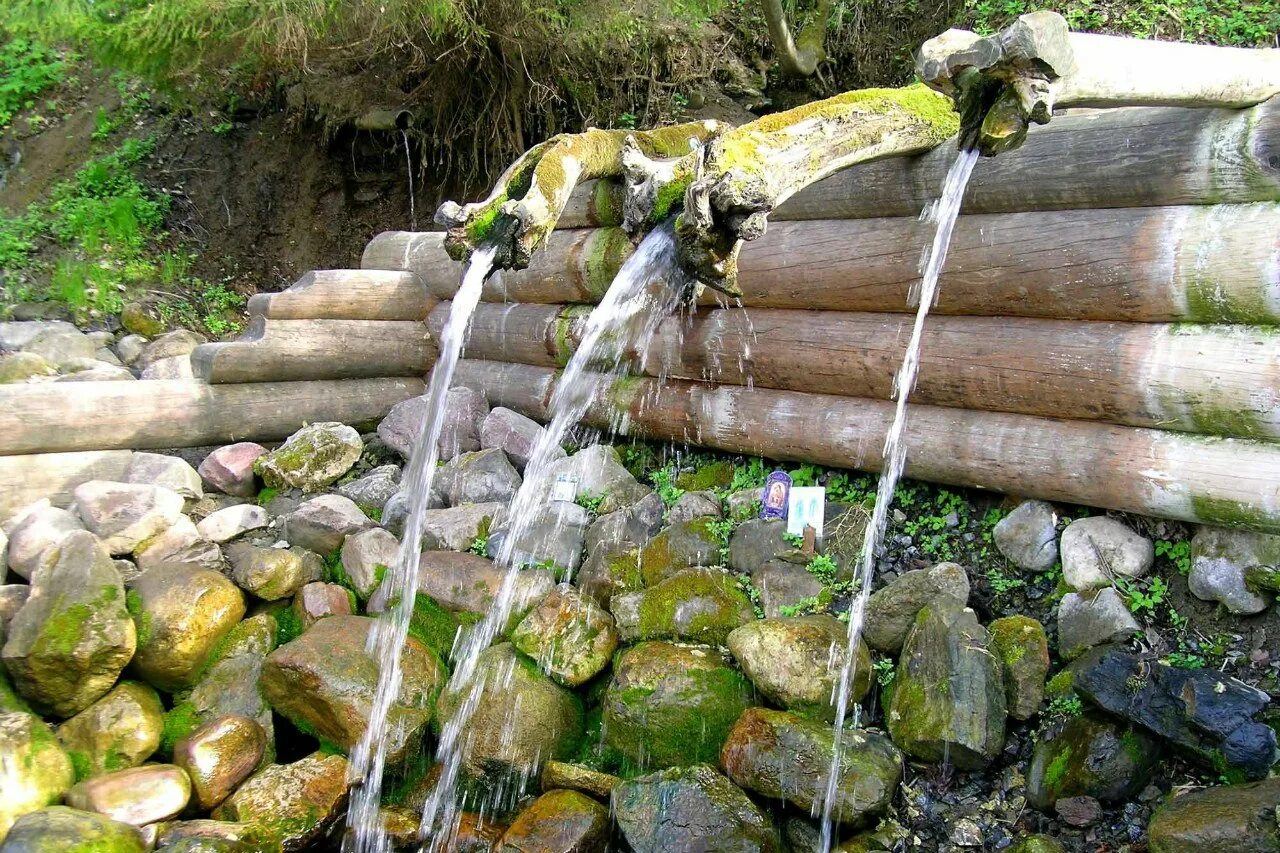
(230, 685)
(22, 366)
(12, 597)
(464, 413)
(173, 367)
(755, 543)
(681, 546)
(311, 458)
(745, 503)
(627, 528)
(457, 527)
(321, 524)
(61, 347)
(16, 335)
(690, 808)
(396, 510)
(484, 476)
(1091, 757)
(551, 540)
(176, 343)
(1088, 619)
(599, 473)
(102, 373)
(272, 573)
(366, 555)
(124, 515)
(1096, 550)
(229, 469)
(170, 472)
(1028, 536)
(469, 583)
(373, 490)
(891, 610)
(130, 348)
(108, 355)
(1221, 558)
(178, 544)
(101, 338)
(1219, 819)
(34, 530)
(514, 434)
(784, 585)
(226, 524)
(693, 505)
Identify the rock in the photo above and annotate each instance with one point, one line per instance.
(1096, 550)
(33, 531)
(396, 510)
(552, 540)
(119, 731)
(12, 597)
(229, 469)
(366, 556)
(520, 721)
(59, 829)
(73, 636)
(1204, 713)
(60, 347)
(892, 609)
(483, 476)
(745, 503)
(1019, 642)
(101, 373)
(671, 704)
(1090, 757)
(1221, 819)
(783, 756)
(213, 502)
(685, 545)
(690, 808)
(454, 529)
(21, 366)
(560, 821)
(755, 543)
(16, 335)
(1028, 536)
(626, 528)
(318, 600)
(796, 662)
(1088, 619)
(294, 803)
(137, 796)
(569, 635)
(1220, 559)
(178, 544)
(465, 582)
(693, 505)
(784, 585)
(124, 515)
(170, 472)
(948, 695)
(218, 756)
(599, 473)
(609, 573)
(181, 614)
(558, 774)
(108, 355)
(130, 347)
(226, 524)
(325, 680)
(229, 687)
(173, 367)
(272, 573)
(373, 490)
(464, 413)
(321, 524)
(211, 836)
(1037, 844)
(143, 319)
(33, 767)
(311, 458)
(514, 434)
(699, 605)
(180, 342)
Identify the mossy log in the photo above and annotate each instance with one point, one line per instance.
(58, 417)
(1229, 482)
(346, 295)
(1207, 263)
(1215, 380)
(298, 350)
(24, 479)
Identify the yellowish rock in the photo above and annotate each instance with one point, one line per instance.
(120, 730)
(295, 802)
(137, 796)
(34, 771)
(219, 755)
(181, 615)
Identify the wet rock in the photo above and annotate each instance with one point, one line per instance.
(325, 681)
(892, 609)
(1091, 757)
(124, 515)
(1019, 642)
(1204, 713)
(948, 695)
(699, 605)
(785, 585)
(690, 808)
(796, 662)
(229, 687)
(744, 503)
(318, 600)
(514, 434)
(130, 347)
(569, 635)
(672, 704)
(173, 367)
(522, 719)
(966, 833)
(176, 343)
(784, 756)
(229, 469)
(1028, 536)
(687, 544)
(626, 528)
(226, 524)
(1037, 844)
(321, 524)
(1222, 819)
(178, 544)
(464, 413)
(558, 822)
(599, 473)
(1096, 550)
(33, 531)
(73, 636)
(483, 476)
(311, 458)
(468, 583)
(575, 777)
(59, 829)
(1219, 561)
(218, 756)
(181, 616)
(170, 472)
(137, 796)
(609, 573)
(210, 836)
(755, 543)
(374, 489)
(367, 555)
(1094, 618)
(454, 529)
(21, 366)
(34, 769)
(272, 573)
(294, 803)
(693, 505)
(119, 731)
(552, 540)
(396, 510)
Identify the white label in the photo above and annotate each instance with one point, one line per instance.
(805, 506)
(565, 488)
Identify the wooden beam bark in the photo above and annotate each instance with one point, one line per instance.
(25, 479)
(370, 294)
(1231, 482)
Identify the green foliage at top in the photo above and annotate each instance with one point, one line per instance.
(1225, 22)
(1177, 552)
(26, 69)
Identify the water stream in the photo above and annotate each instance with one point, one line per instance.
(942, 214)
(365, 833)
(408, 159)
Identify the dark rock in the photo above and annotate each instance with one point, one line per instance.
(1023, 649)
(783, 585)
(690, 808)
(1079, 811)
(1091, 757)
(755, 543)
(1224, 819)
(626, 528)
(892, 609)
(483, 476)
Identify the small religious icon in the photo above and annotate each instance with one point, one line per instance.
(805, 507)
(776, 489)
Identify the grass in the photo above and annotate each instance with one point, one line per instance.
(27, 69)
(1224, 22)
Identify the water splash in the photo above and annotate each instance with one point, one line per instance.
(365, 833)
(943, 215)
(408, 159)
(642, 294)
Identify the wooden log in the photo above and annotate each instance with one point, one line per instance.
(1230, 482)
(25, 479)
(1208, 263)
(59, 417)
(1213, 380)
(299, 350)
(370, 294)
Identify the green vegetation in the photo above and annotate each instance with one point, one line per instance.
(1177, 552)
(1143, 596)
(26, 70)
(1213, 21)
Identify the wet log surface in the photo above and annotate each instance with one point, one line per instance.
(346, 295)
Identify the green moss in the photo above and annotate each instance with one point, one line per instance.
(433, 626)
(719, 609)
(669, 196)
(10, 701)
(1061, 684)
(603, 256)
(141, 618)
(179, 722)
(1228, 513)
(266, 496)
(288, 625)
(1232, 423)
(80, 763)
(1057, 769)
(1211, 301)
(63, 630)
(708, 477)
(606, 203)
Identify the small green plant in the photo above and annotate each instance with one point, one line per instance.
(1177, 552)
(591, 503)
(222, 128)
(749, 475)
(1065, 706)
(824, 569)
(627, 120)
(1143, 597)
(480, 546)
(26, 70)
(1184, 660)
(744, 583)
(795, 540)
(664, 482)
(1001, 584)
(885, 671)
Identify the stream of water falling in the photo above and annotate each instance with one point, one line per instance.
(942, 214)
(641, 296)
(365, 833)
(413, 211)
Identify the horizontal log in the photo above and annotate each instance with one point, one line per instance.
(370, 294)
(25, 479)
(299, 350)
(1124, 157)
(58, 417)
(1230, 482)
(1215, 380)
(1208, 263)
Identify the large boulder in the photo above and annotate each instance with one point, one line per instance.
(464, 413)
(272, 573)
(1022, 647)
(1093, 618)
(1220, 560)
(756, 542)
(599, 473)
(229, 469)
(137, 795)
(1222, 819)
(606, 574)
(33, 531)
(59, 829)
(672, 704)
(569, 635)
(1028, 536)
(311, 458)
(685, 545)
(483, 476)
(467, 583)
(892, 609)
(218, 756)
(124, 515)
(1097, 550)
(293, 803)
(785, 586)
(1091, 757)
(321, 524)
(783, 756)
(514, 434)
(181, 616)
(181, 342)
(170, 472)
(626, 528)
(34, 770)
(796, 662)
(73, 636)
(693, 505)
(559, 821)
(456, 528)
(120, 730)
(690, 808)
(552, 539)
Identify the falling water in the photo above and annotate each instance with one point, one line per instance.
(365, 833)
(640, 297)
(413, 213)
(942, 215)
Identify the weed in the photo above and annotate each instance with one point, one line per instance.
(664, 482)
(26, 70)
(591, 503)
(479, 546)
(1177, 552)
(885, 671)
(1142, 596)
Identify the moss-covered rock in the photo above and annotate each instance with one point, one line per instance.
(59, 829)
(699, 605)
(569, 635)
(34, 770)
(218, 756)
(575, 777)
(311, 458)
(1037, 844)
(292, 803)
(272, 573)
(229, 685)
(1224, 819)
(120, 730)
(690, 808)
(1091, 757)
(1023, 649)
(182, 615)
(892, 609)
(708, 476)
(680, 546)
(559, 821)
(672, 704)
